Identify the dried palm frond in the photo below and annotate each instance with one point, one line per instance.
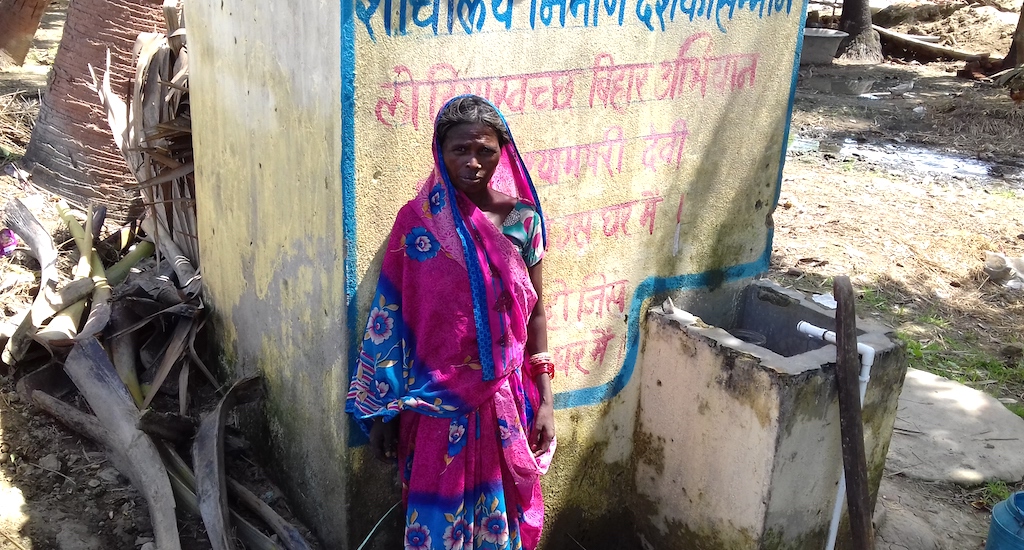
(154, 133)
(17, 115)
(1013, 80)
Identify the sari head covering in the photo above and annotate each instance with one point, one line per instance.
(511, 178)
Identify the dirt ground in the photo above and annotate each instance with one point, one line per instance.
(905, 193)
(984, 27)
(902, 190)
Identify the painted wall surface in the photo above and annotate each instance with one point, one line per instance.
(639, 121)
(654, 131)
(265, 85)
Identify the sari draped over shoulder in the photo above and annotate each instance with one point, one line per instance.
(443, 350)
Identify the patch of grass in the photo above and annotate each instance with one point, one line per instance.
(1016, 408)
(877, 300)
(964, 362)
(995, 492)
(934, 321)
(922, 356)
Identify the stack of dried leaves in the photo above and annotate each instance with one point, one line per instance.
(17, 114)
(980, 119)
(119, 322)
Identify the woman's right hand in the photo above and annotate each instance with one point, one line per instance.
(384, 440)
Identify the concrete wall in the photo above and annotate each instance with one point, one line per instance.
(266, 121)
(654, 131)
(744, 448)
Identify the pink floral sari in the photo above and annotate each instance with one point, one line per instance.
(443, 350)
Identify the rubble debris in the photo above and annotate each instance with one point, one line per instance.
(118, 311)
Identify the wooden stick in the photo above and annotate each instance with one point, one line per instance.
(933, 50)
(166, 426)
(850, 422)
(34, 465)
(171, 356)
(286, 532)
(14, 542)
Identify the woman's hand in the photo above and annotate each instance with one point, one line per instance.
(384, 440)
(543, 432)
(543, 428)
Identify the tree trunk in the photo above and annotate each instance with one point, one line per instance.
(19, 20)
(863, 45)
(1015, 57)
(71, 151)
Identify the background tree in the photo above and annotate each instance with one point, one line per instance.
(1015, 57)
(863, 44)
(71, 152)
(19, 20)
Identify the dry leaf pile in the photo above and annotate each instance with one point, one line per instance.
(117, 314)
(17, 114)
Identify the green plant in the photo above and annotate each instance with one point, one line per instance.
(963, 361)
(995, 492)
(1016, 408)
(6, 155)
(876, 299)
(934, 321)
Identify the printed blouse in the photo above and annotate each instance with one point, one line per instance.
(522, 227)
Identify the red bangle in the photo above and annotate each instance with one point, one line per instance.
(543, 368)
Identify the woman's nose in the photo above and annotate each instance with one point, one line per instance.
(473, 163)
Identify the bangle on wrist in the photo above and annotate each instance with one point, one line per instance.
(547, 368)
(542, 357)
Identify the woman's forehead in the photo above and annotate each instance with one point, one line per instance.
(471, 131)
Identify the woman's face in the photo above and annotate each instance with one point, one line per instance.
(471, 152)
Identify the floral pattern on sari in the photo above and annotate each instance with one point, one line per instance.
(442, 350)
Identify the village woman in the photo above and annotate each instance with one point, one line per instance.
(453, 378)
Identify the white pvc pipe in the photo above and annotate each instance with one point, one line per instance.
(867, 358)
